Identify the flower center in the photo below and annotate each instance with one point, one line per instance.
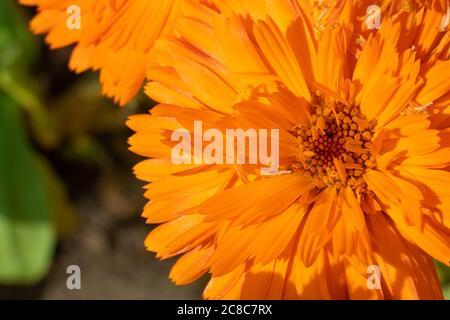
(335, 149)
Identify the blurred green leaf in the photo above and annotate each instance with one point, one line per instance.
(42, 125)
(27, 236)
(444, 277)
(18, 48)
(446, 290)
(17, 45)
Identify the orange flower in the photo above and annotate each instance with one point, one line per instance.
(363, 122)
(115, 37)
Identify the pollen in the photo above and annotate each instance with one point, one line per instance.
(335, 148)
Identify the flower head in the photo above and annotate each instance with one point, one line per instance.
(364, 150)
(113, 36)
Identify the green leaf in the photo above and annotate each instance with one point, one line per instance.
(446, 291)
(444, 277)
(27, 236)
(17, 54)
(17, 45)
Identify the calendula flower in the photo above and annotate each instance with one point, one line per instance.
(113, 36)
(364, 152)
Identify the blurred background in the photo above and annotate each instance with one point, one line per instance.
(67, 192)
